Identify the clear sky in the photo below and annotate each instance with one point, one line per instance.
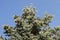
(8, 8)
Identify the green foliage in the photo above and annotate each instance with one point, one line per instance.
(30, 27)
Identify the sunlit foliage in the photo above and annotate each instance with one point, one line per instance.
(30, 27)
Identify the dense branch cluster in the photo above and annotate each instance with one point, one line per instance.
(30, 27)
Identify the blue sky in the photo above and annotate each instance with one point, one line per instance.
(8, 8)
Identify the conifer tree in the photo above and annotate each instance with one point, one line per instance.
(30, 27)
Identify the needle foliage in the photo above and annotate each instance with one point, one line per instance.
(30, 27)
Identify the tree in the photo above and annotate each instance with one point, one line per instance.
(30, 27)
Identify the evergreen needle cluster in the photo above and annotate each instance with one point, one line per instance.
(30, 27)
